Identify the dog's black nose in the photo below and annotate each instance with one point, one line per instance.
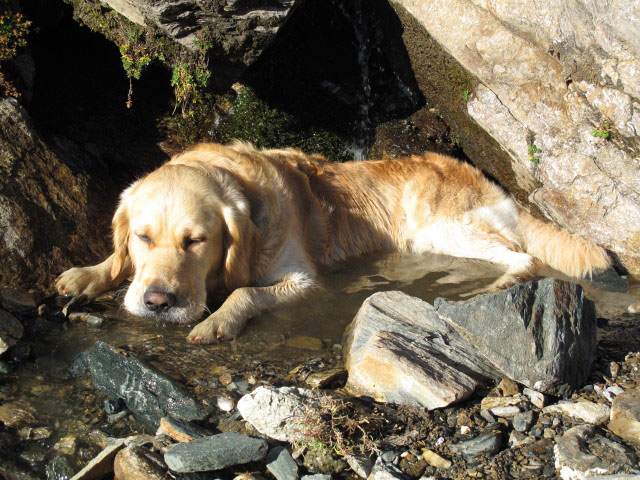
(158, 301)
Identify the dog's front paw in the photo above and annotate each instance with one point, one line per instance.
(217, 326)
(80, 281)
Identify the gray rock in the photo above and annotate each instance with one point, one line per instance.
(11, 330)
(281, 464)
(362, 466)
(581, 453)
(523, 421)
(19, 301)
(147, 393)
(102, 464)
(394, 337)
(484, 444)
(215, 452)
(275, 412)
(317, 476)
(550, 327)
(385, 471)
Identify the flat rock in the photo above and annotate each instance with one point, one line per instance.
(149, 394)
(274, 412)
(582, 453)
(281, 464)
(486, 443)
(215, 452)
(550, 327)
(589, 412)
(101, 465)
(625, 415)
(20, 301)
(398, 349)
(11, 330)
(305, 343)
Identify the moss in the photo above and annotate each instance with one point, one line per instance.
(223, 118)
(14, 29)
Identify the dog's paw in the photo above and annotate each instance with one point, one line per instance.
(216, 327)
(79, 281)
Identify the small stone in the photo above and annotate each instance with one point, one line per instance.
(360, 465)
(305, 343)
(508, 388)
(225, 403)
(225, 379)
(464, 430)
(549, 433)
(385, 471)
(215, 452)
(517, 438)
(102, 464)
(435, 460)
(18, 301)
(625, 415)
(66, 445)
(326, 378)
(40, 433)
(281, 464)
(537, 432)
(523, 421)
(610, 393)
(485, 414)
(595, 413)
(94, 320)
(317, 476)
(536, 398)
(484, 444)
(180, 431)
(505, 412)
(490, 403)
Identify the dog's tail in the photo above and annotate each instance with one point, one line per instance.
(569, 253)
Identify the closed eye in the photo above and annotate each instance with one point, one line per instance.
(144, 238)
(190, 241)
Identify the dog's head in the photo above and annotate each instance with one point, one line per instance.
(186, 230)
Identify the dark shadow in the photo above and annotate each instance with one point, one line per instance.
(340, 65)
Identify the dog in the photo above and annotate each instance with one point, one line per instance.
(255, 225)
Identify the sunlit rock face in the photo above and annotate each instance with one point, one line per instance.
(556, 88)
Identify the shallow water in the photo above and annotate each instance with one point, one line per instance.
(69, 406)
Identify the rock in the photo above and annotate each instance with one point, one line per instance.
(537, 399)
(317, 476)
(215, 452)
(385, 471)
(487, 443)
(147, 393)
(326, 378)
(550, 325)
(102, 464)
(505, 412)
(15, 414)
(181, 431)
(225, 403)
(594, 413)
(225, 379)
(52, 214)
(94, 320)
(395, 337)
(523, 421)
(582, 453)
(517, 438)
(508, 388)
(274, 412)
(625, 415)
(59, 467)
(435, 460)
(281, 464)
(135, 463)
(489, 403)
(547, 81)
(362, 466)
(305, 343)
(11, 330)
(66, 445)
(610, 393)
(19, 301)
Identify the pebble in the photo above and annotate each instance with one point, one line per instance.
(317, 476)
(305, 343)
(536, 398)
(505, 412)
(464, 429)
(225, 403)
(281, 464)
(517, 438)
(435, 460)
(225, 379)
(94, 321)
(508, 387)
(362, 466)
(523, 421)
(484, 444)
(326, 378)
(180, 431)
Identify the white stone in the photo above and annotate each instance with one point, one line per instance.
(590, 412)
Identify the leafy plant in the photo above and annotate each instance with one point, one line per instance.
(135, 57)
(189, 83)
(533, 151)
(466, 95)
(603, 130)
(13, 31)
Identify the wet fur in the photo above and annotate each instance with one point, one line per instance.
(271, 217)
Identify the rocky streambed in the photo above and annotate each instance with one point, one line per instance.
(526, 383)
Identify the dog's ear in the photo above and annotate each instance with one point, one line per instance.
(241, 236)
(120, 232)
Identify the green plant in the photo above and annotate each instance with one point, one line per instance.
(13, 31)
(533, 151)
(135, 57)
(334, 426)
(603, 130)
(189, 83)
(466, 95)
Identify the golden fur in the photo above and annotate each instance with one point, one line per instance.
(256, 225)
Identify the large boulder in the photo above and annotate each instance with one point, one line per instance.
(55, 202)
(530, 92)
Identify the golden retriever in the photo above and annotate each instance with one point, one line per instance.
(257, 224)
